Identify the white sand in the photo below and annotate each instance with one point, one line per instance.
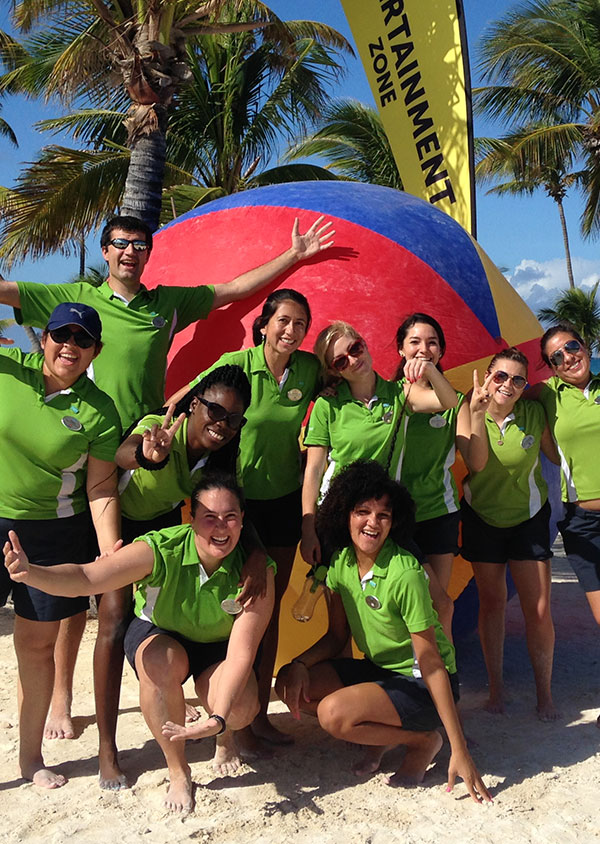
(545, 778)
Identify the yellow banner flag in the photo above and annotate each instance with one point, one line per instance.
(415, 56)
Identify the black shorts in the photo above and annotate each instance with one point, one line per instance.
(47, 542)
(410, 695)
(278, 521)
(131, 528)
(580, 531)
(483, 543)
(439, 535)
(201, 655)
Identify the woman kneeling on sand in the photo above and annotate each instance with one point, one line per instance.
(187, 622)
(379, 593)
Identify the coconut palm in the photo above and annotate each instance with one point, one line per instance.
(542, 60)
(522, 165)
(7, 132)
(80, 45)
(352, 139)
(581, 309)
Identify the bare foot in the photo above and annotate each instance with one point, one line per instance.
(263, 729)
(59, 726)
(369, 764)
(41, 776)
(251, 747)
(416, 761)
(548, 712)
(495, 705)
(227, 759)
(110, 776)
(191, 713)
(179, 793)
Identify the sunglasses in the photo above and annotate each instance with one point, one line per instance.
(123, 243)
(557, 358)
(80, 338)
(341, 361)
(499, 377)
(217, 413)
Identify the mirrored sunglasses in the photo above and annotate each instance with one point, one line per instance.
(557, 358)
(217, 413)
(123, 243)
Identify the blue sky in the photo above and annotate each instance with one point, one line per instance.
(521, 235)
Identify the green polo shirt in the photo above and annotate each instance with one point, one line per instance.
(148, 494)
(352, 431)
(179, 595)
(137, 336)
(45, 440)
(398, 583)
(429, 454)
(574, 420)
(511, 488)
(270, 454)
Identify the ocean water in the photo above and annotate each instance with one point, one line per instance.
(595, 365)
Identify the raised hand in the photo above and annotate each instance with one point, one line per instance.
(15, 559)
(480, 397)
(416, 368)
(157, 440)
(317, 238)
(6, 341)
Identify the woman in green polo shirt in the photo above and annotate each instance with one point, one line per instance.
(284, 382)
(59, 434)
(505, 516)
(405, 687)
(188, 622)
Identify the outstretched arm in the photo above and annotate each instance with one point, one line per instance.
(9, 293)
(303, 246)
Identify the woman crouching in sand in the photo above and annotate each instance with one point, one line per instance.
(187, 622)
(379, 593)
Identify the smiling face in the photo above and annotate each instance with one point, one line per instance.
(126, 265)
(286, 328)
(217, 523)
(370, 524)
(506, 394)
(575, 365)
(357, 365)
(421, 342)
(204, 434)
(65, 362)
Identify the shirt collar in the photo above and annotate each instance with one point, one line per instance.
(258, 361)
(109, 293)
(382, 563)
(594, 377)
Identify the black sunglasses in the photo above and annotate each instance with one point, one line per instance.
(123, 243)
(217, 413)
(557, 358)
(341, 361)
(80, 338)
(499, 377)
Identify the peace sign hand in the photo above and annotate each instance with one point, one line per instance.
(157, 440)
(315, 240)
(480, 397)
(15, 559)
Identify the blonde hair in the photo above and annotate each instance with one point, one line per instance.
(325, 338)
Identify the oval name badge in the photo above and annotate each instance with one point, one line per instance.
(159, 322)
(388, 416)
(231, 606)
(71, 423)
(527, 441)
(373, 602)
(294, 394)
(437, 421)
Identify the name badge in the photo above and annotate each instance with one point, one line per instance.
(373, 602)
(294, 394)
(527, 441)
(71, 423)
(438, 421)
(388, 417)
(158, 322)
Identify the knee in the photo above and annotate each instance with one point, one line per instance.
(161, 666)
(333, 717)
(244, 712)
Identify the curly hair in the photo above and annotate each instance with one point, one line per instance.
(271, 304)
(403, 328)
(358, 482)
(216, 479)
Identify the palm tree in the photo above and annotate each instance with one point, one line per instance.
(84, 43)
(242, 102)
(352, 139)
(581, 309)
(543, 64)
(525, 165)
(7, 132)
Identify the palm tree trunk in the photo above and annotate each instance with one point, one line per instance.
(563, 223)
(143, 186)
(32, 336)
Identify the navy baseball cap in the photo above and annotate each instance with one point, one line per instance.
(74, 313)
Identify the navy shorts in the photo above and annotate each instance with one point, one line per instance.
(580, 531)
(131, 528)
(483, 543)
(439, 535)
(201, 655)
(410, 695)
(278, 521)
(47, 542)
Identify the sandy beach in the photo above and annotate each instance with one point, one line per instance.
(545, 777)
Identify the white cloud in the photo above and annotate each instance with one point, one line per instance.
(538, 282)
